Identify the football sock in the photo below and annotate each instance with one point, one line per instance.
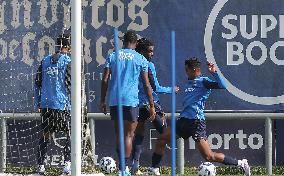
(137, 147)
(230, 161)
(156, 159)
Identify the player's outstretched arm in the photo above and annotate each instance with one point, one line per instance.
(154, 81)
(104, 87)
(148, 91)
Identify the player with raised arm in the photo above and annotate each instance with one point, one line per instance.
(146, 48)
(52, 97)
(192, 122)
(132, 66)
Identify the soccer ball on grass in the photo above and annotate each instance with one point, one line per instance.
(107, 165)
(206, 169)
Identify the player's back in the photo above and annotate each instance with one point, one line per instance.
(54, 89)
(195, 96)
(130, 64)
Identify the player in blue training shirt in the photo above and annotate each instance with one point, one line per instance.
(192, 122)
(132, 66)
(52, 99)
(146, 48)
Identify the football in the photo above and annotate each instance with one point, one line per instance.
(206, 169)
(107, 165)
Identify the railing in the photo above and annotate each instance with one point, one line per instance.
(268, 116)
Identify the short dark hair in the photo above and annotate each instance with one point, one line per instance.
(130, 37)
(192, 63)
(63, 41)
(143, 44)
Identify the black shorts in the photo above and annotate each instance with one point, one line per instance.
(54, 120)
(186, 128)
(159, 123)
(129, 113)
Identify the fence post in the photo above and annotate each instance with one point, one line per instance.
(3, 144)
(268, 145)
(93, 140)
(180, 155)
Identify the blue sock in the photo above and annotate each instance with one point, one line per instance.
(127, 161)
(126, 164)
(137, 148)
(156, 159)
(230, 161)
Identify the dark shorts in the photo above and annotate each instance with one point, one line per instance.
(186, 128)
(54, 120)
(129, 113)
(159, 123)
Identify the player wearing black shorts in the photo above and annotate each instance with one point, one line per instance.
(133, 66)
(52, 97)
(146, 48)
(192, 122)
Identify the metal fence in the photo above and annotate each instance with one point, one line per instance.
(210, 115)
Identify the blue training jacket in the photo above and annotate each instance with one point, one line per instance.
(156, 87)
(196, 93)
(53, 82)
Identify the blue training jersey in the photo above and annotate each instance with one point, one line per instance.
(131, 65)
(52, 84)
(156, 87)
(196, 93)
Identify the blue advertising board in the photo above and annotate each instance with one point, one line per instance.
(243, 139)
(243, 38)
